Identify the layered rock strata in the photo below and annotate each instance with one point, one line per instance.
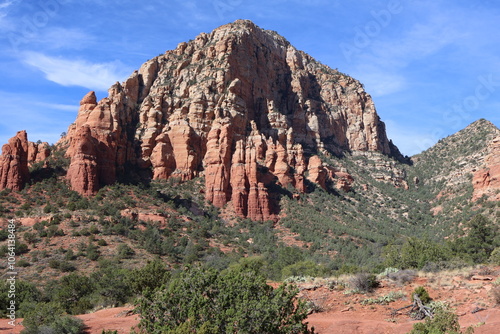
(486, 181)
(14, 172)
(239, 106)
(17, 156)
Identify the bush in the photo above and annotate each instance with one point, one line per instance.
(72, 293)
(153, 275)
(303, 268)
(23, 263)
(4, 234)
(415, 253)
(444, 321)
(92, 252)
(25, 293)
(48, 318)
(422, 294)
(111, 287)
(30, 237)
(234, 301)
(364, 282)
(402, 276)
(125, 252)
(102, 242)
(495, 257)
(479, 242)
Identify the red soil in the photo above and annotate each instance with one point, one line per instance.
(469, 296)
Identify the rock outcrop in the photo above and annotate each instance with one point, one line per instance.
(83, 172)
(239, 106)
(486, 181)
(14, 172)
(37, 152)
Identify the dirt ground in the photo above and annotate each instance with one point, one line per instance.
(467, 293)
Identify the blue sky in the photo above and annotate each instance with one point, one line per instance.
(432, 67)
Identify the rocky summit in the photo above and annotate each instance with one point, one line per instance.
(240, 106)
(254, 118)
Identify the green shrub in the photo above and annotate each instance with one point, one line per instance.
(153, 275)
(206, 301)
(4, 234)
(415, 253)
(111, 287)
(102, 242)
(125, 252)
(30, 237)
(92, 252)
(422, 293)
(72, 293)
(70, 255)
(25, 293)
(48, 318)
(479, 242)
(22, 263)
(444, 321)
(303, 268)
(495, 257)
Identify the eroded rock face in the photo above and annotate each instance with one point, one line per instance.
(239, 106)
(38, 152)
(486, 181)
(83, 173)
(14, 172)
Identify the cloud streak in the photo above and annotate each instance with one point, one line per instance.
(65, 72)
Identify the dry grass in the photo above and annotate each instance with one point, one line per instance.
(495, 292)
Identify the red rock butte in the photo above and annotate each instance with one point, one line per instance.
(240, 107)
(17, 155)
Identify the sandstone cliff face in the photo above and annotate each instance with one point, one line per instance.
(14, 171)
(38, 152)
(239, 106)
(486, 181)
(17, 156)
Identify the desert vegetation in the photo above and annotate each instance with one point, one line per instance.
(134, 241)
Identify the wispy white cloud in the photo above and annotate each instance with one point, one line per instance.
(42, 120)
(439, 37)
(378, 81)
(5, 4)
(77, 72)
(58, 106)
(5, 7)
(64, 38)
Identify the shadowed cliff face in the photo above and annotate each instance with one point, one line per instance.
(239, 106)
